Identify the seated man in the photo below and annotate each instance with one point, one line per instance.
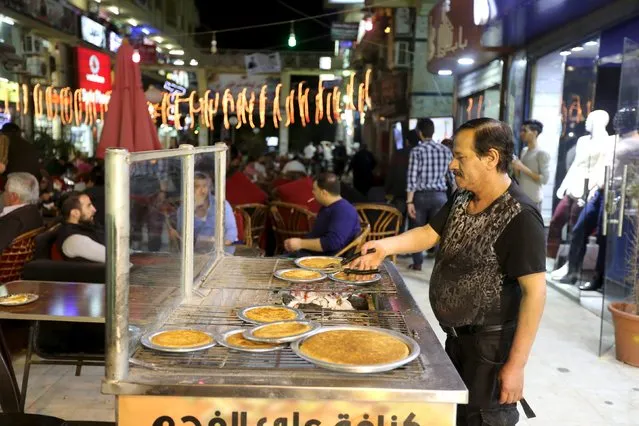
(20, 213)
(78, 237)
(204, 224)
(337, 223)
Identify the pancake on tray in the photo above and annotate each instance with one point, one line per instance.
(320, 262)
(181, 339)
(286, 329)
(301, 274)
(355, 347)
(266, 314)
(15, 298)
(236, 339)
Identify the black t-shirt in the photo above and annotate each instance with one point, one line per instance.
(481, 256)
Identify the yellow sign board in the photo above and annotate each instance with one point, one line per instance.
(201, 411)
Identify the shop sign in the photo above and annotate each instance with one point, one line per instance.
(237, 82)
(54, 13)
(201, 411)
(451, 33)
(94, 70)
(261, 63)
(93, 32)
(174, 88)
(389, 94)
(115, 41)
(344, 31)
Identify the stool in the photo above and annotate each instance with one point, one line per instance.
(21, 419)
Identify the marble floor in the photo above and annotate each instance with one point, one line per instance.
(566, 382)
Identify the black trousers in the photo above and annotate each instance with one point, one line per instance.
(478, 359)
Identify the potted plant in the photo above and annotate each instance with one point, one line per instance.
(625, 314)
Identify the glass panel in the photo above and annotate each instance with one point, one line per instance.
(621, 244)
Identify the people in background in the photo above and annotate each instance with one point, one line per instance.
(20, 213)
(340, 157)
(362, 165)
(426, 181)
(205, 217)
(78, 237)
(337, 223)
(533, 169)
(95, 190)
(294, 166)
(22, 156)
(396, 178)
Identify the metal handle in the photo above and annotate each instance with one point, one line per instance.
(606, 205)
(622, 207)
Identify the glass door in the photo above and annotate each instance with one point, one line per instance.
(620, 220)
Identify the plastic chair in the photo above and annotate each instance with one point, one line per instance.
(14, 257)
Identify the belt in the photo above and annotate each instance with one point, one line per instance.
(469, 330)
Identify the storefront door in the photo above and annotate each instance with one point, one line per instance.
(621, 217)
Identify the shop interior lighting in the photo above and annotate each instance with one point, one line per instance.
(193, 62)
(177, 52)
(6, 20)
(591, 43)
(577, 49)
(178, 62)
(565, 53)
(292, 41)
(368, 24)
(465, 61)
(133, 22)
(387, 30)
(114, 10)
(213, 44)
(445, 72)
(158, 39)
(136, 56)
(325, 62)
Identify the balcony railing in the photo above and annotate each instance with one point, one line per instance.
(288, 59)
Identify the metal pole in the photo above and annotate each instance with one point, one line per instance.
(188, 217)
(220, 198)
(117, 264)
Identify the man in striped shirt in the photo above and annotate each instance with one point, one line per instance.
(427, 180)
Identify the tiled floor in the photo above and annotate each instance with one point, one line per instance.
(566, 383)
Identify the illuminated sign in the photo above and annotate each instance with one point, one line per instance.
(94, 70)
(93, 32)
(115, 41)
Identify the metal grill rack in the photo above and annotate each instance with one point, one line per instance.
(237, 273)
(283, 361)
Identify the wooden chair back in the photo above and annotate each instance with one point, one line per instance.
(290, 221)
(14, 257)
(254, 215)
(356, 245)
(385, 221)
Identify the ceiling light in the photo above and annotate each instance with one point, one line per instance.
(445, 72)
(168, 46)
(193, 62)
(133, 22)
(387, 30)
(465, 61)
(577, 49)
(7, 20)
(158, 39)
(179, 62)
(146, 31)
(114, 10)
(346, 73)
(136, 56)
(178, 52)
(565, 53)
(570, 68)
(325, 62)
(591, 43)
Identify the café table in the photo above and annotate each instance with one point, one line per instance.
(64, 302)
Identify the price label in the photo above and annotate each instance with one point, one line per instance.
(196, 411)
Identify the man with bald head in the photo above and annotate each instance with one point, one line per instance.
(336, 224)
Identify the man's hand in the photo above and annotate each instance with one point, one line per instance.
(369, 261)
(3, 167)
(511, 381)
(412, 213)
(174, 234)
(293, 244)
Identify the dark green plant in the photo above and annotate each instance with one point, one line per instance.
(50, 148)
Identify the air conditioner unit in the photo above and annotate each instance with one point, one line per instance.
(33, 44)
(403, 55)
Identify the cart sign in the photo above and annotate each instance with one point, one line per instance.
(344, 31)
(202, 411)
(94, 70)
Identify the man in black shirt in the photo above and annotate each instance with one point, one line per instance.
(488, 286)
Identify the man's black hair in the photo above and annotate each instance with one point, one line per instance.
(426, 126)
(534, 125)
(492, 134)
(329, 182)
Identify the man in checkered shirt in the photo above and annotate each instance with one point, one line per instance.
(427, 180)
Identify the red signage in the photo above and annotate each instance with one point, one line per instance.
(94, 70)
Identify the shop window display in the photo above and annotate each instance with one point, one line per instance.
(481, 104)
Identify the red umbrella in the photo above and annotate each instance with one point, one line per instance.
(127, 123)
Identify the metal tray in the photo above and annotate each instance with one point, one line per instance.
(30, 298)
(249, 333)
(278, 274)
(221, 339)
(373, 279)
(146, 341)
(413, 347)
(336, 259)
(241, 314)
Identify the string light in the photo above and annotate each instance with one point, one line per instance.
(292, 41)
(83, 106)
(213, 44)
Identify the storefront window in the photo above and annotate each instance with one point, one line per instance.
(482, 104)
(563, 92)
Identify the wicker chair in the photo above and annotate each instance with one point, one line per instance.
(385, 221)
(356, 245)
(254, 222)
(14, 257)
(290, 221)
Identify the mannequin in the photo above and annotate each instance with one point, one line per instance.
(584, 174)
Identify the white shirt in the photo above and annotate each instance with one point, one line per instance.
(9, 209)
(309, 151)
(84, 247)
(294, 166)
